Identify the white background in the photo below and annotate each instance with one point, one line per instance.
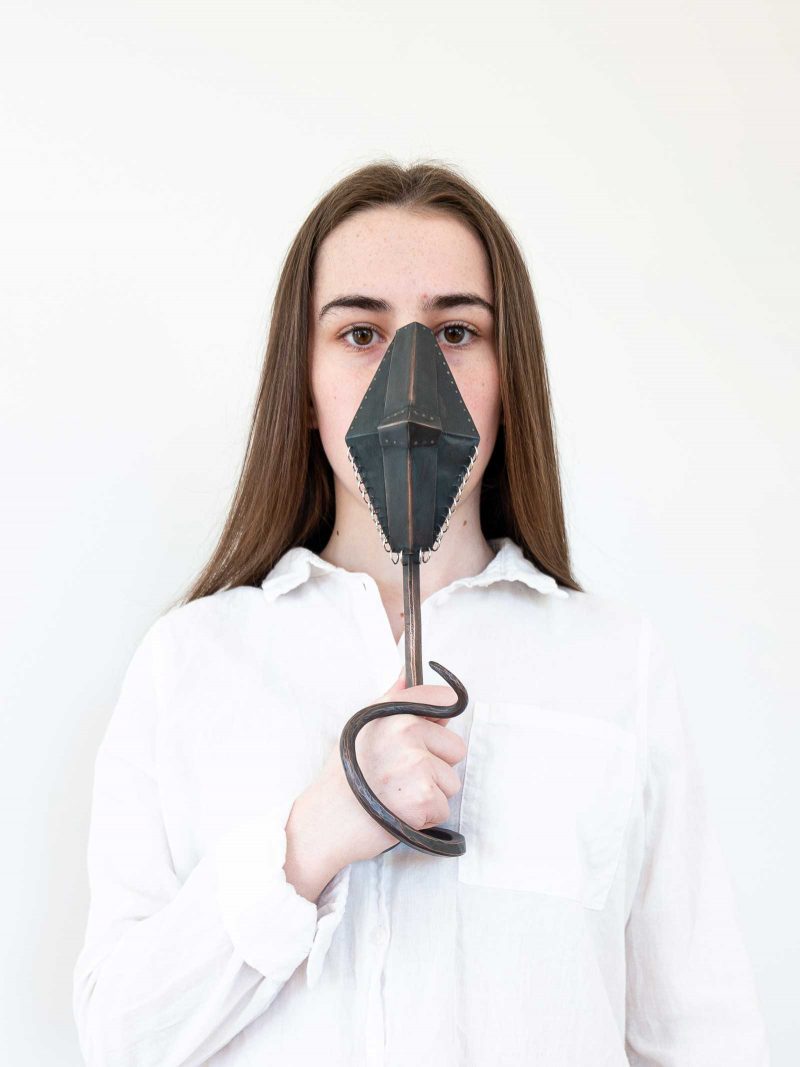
(159, 158)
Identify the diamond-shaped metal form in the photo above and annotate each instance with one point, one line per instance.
(412, 441)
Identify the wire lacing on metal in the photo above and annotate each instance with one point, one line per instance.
(364, 491)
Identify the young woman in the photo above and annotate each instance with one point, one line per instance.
(245, 909)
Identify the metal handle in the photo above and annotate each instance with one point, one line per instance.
(436, 840)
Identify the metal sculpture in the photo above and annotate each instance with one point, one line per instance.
(412, 444)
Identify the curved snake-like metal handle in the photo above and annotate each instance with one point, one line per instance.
(437, 840)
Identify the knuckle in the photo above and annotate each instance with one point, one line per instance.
(393, 724)
(454, 784)
(434, 809)
(426, 792)
(457, 752)
(418, 817)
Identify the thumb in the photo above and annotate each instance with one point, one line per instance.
(400, 684)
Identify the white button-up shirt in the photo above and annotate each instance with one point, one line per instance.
(590, 922)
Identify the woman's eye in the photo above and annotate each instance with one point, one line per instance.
(461, 331)
(358, 333)
(454, 335)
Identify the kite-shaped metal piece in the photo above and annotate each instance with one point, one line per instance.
(412, 444)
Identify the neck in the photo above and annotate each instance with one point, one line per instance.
(356, 545)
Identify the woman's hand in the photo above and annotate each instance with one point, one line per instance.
(408, 762)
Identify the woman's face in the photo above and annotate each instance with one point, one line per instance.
(377, 271)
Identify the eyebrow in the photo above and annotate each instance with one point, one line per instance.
(435, 303)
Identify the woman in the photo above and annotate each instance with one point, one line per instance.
(245, 909)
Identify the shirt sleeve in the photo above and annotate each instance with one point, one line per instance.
(170, 972)
(691, 994)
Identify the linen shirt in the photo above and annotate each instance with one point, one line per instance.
(590, 923)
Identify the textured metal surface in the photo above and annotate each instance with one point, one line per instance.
(413, 621)
(412, 440)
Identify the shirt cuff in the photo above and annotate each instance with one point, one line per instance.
(330, 909)
(273, 927)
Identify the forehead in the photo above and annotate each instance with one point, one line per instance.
(387, 249)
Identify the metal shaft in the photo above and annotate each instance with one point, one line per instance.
(413, 620)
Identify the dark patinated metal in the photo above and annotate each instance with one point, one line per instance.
(412, 443)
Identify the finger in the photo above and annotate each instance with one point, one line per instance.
(436, 721)
(430, 693)
(442, 742)
(447, 779)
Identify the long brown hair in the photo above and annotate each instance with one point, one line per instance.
(285, 494)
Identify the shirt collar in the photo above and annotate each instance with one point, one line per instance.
(509, 564)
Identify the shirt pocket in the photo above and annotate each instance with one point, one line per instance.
(546, 798)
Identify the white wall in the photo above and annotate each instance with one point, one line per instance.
(159, 158)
